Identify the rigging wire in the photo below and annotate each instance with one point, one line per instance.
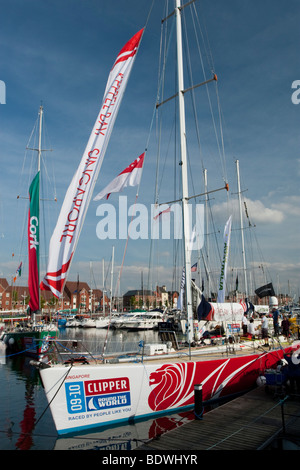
(208, 53)
(162, 164)
(28, 170)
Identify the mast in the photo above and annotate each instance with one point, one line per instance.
(103, 294)
(242, 229)
(183, 163)
(40, 137)
(34, 228)
(111, 279)
(39, 169)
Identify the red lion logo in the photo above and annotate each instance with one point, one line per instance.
(173, 385)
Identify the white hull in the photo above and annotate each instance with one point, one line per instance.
(102, 322)
(143, 322)
(141, 326)
(3, 348)
(73, 323)
(88, 323)
(119, 322)
(88, 396)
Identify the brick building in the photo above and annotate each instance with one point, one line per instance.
(76, 295)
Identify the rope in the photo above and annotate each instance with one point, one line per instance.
(21, 352)
(200, 416)
(43, 413)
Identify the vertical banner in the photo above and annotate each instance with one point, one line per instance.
(222, 283)
(180, 303)
(66, 233)
(34, 243)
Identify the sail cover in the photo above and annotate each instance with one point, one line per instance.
(66, 233)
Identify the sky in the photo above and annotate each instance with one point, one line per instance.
(59, 53)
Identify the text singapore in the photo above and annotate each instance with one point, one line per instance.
(138, 222)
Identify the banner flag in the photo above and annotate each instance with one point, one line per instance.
(66, 233)
(34, 243)
(180, 303)
(222, 283)
(131, 176)
(205, 310)
(18, 272)
(265, 291)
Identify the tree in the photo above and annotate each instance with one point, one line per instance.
(133, 301)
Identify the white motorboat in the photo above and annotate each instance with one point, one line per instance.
(73, 323)
(144, 322)
(119, 321)
(102, 322)
(88, 323)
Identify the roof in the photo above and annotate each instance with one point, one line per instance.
(3, 283)
(140, 292)
(73, 286)
(162, 289)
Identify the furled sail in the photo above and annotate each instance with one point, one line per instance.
(66, 233)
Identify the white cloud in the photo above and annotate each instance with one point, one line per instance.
(290, 205)
(262, 214)
(257, 211)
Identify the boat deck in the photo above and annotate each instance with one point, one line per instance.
(205, 353)
(250, 422)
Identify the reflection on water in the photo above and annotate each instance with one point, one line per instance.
(22, 401)
(25, 419)
(125, 437)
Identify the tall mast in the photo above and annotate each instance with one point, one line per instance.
(242, 228)
(111, 279)
(39, 168)
(40, 137)
(34, 228)
(183, 163)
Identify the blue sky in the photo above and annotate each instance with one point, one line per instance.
(60, 53)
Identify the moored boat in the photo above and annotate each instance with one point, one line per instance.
(88, 323)
(85, 394)
(118, 321)
(33, 341)
(102, 322)
(148, 321)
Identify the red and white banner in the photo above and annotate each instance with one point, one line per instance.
(66, 233)
(131, 176)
